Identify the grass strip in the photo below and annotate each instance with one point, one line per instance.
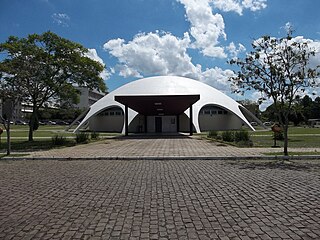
(292, 153)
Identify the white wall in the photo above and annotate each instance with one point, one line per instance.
(219, 122)
(106, 123)
(151, 128)
(169, 124)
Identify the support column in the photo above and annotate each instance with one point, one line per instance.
(126, 120)
(191, 120)
(145, 124)
(178, 123)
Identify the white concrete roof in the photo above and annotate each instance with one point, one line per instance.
(168, 85)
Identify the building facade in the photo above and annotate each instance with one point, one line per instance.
(88, 97)
(165, 104)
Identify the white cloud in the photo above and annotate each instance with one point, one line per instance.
(61, 19)
(152, 54)
(228, 6)
(92, 54)
(162, 54)
(217, 78)
(238, 6)
(254, 5)
(206, 28)
(234, 51)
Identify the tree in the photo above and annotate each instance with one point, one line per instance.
(279, 69)
(252, 106)
(47, 67)
(316, 108)
(10, 94)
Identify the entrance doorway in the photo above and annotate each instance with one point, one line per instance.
(158, 124)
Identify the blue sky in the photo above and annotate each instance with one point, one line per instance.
(140, 38)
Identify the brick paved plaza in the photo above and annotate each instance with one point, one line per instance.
(166, 199)
(156, 147)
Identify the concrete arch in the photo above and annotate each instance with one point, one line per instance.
(164, 88)
(217, 117)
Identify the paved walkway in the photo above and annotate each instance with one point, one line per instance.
(155, 147)
(146, 199)
(158, 199)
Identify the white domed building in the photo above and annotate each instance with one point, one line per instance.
(165, 104)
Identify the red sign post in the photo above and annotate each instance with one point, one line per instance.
(276, 129)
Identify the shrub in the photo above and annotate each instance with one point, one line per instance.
(94, 135)
(219, 137)
(59, 140)
(241, 136)
(82, 137)
(213, 134)
(227, 136)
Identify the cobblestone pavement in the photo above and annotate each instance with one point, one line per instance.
(167, 146)
(167, 199)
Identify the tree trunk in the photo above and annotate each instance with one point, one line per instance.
(30, 131)
(33, 119)
(8, 138)
(285, 142)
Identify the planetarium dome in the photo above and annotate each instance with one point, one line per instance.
(165, 104)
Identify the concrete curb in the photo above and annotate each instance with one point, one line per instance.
(156, 158)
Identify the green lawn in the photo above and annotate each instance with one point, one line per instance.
(43, 131)
(18, 131)
(298, 137)
(292, 130)
(42, 138)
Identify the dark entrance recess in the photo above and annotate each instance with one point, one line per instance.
(158, 105)
(158, 124)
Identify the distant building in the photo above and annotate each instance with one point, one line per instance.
(315, 123)
(88, 97)
(21, 110)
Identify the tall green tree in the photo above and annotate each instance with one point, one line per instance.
(47, 67)
(10, 95)
(278, 68)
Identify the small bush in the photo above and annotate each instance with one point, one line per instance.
(59, 140)
(94, 135)
(82, 137)
(213, 134)
(241, 136)
(227, 136)
(219, 137)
